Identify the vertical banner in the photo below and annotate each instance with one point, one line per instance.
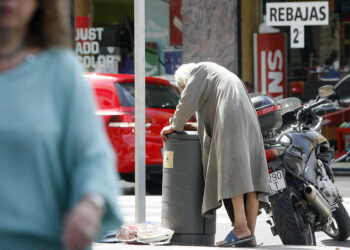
(270, 64)
(175, 22)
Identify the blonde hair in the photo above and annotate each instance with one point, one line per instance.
(183, 73)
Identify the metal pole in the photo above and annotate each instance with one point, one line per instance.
(261, 11)
(140, 171)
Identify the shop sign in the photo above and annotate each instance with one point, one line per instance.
(87, 47)
(270, 64)
(297, 15)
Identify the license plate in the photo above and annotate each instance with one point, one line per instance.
(276, 181)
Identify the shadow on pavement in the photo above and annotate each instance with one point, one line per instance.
(131, 191)
(335, 243)
(287, 247)
(128, 191)
(128, 188)
(341, 173)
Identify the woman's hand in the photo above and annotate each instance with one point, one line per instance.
(165, 131)
(81, 224)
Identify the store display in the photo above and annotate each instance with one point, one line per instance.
(333, 75)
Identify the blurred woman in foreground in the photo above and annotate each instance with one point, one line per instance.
(56, 167)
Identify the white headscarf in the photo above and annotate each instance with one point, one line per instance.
(183, 73)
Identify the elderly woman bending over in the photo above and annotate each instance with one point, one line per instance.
(233, 156)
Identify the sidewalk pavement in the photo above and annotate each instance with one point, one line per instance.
(263, 232)
(121, 246)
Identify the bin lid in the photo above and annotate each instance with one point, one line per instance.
(184, 135)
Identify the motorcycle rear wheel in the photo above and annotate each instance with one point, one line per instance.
(340, 227)
(291, 227)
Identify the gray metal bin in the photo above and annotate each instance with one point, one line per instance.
(182, 191)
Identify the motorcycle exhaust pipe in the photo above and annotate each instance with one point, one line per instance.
(318, 201)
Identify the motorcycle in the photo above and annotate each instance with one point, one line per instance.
(303, 197)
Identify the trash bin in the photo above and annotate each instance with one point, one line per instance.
(182, 191)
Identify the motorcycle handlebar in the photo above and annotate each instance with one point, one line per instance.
(314, 105)
(306, 108)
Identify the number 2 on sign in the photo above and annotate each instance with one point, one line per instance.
(295, 34)
(297, 37)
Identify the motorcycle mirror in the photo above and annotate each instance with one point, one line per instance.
(326, 91)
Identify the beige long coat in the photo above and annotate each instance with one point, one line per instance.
(233, 154)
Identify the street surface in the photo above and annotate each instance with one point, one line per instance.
(264, 236)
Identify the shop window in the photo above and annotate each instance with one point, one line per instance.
(105, 36)
(325, 57)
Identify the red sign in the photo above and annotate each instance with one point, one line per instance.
(270, 64)
(81, 24)
(175, 22)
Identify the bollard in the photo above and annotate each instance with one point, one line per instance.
(182, 191)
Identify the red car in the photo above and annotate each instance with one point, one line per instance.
(115, 97)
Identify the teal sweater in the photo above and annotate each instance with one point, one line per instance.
(53, 151)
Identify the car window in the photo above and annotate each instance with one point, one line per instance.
(126, 94)
(157, 95)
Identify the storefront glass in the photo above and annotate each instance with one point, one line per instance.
(325, 57)
(324, 60)
(105, 34)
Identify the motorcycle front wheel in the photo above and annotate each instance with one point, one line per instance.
(290, 225)
(339, 229)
